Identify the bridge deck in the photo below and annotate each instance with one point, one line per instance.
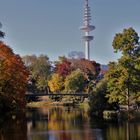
(56, 94)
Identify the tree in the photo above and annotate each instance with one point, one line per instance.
(124, 76)
(60, 59)
(63, 68)
(29, 60)
(74, 82)
(2, 34)
(40, 71)
(90, 70)
(13, 79)
(42, 84)
(97, 100)
(56, 83)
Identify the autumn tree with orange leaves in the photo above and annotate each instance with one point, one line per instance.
(13, 79)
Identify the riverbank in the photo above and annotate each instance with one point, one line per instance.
(43, 104)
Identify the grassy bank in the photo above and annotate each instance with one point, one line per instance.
(42, 104)
(45, 101)
(54, 103)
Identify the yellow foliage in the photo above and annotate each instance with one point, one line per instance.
(56, 83)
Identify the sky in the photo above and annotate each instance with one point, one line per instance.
(51, 27)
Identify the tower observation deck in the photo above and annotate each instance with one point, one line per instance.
(87, 28)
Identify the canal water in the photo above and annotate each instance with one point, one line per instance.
(65, 123)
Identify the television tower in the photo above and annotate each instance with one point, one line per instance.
(87, 28)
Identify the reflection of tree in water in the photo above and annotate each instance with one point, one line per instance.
(61, 118)
(68, 123)
(63, 123)
(73, 123)
(14, 129)
(36, 120)
(123, 131)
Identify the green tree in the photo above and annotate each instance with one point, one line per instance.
(74, 82)
(40, 70)
(124, 76)
(98, 101)
(42, 84)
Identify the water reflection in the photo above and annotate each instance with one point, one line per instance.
(13, 129)
(59, 123)
(65, 123)
(123, 131)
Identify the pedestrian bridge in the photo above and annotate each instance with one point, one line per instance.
(30, 95)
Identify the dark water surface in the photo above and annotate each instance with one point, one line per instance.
(65, 123)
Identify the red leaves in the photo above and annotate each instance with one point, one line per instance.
(87, 67)
(63, 68)
(13, 75)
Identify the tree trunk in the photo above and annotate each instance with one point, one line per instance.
(127, 99)
(128, 103)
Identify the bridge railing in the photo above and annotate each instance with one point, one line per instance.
(56, 94)
(36, 96)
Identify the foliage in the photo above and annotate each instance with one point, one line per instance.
(74, 82)
(40, 70)
(60, 60)
(98, 101)
(127, 42)
(13, 78)
(124, 76)
(113, 88)
(29, 60)
(42, 84)
(110, 115)
(90, 71)
(56, 83)
(41, 67)
(63, 68)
